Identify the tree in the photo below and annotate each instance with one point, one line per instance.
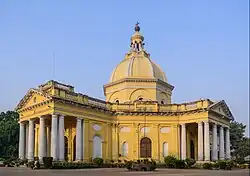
(9, 134)
(239, 143)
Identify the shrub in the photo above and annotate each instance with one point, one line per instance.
(222, 164)
(153, 165)
(170, 161)
(47, 162)
(180, 164)
(190, 162)
(71, 165)
(207, 166)
(98, 161)
(161, 165)
(129, 164)
(239, 160)
(36, 165)
(31, 164)
(229, 165)
(215, 165)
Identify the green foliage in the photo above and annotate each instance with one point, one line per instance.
(98, 161)
(170, 161)
(129, 164)
(190, 162)
(207, 166)
(31, 164)
(222, 164)
(47, 162)
(9, 134)
(240, 145)
(72, 165)
(180, 164)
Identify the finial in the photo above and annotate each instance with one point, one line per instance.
(137, 27)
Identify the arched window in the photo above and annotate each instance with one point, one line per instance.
(162, 102)
(145, 148)
(140, 99)
(165, 149)
(97, 147)
(117, 101)
(125, 149)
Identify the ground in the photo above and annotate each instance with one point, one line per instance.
(114, 172)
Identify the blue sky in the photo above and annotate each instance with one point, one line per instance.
(201, 45)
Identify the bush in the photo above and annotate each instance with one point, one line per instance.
(47, 161)
(161, 165)
(170, 161)
(244, 166)
(71, 165)
(207, 166)
(180, 164)
(31, 164)
(239, 160)
(129, 164)
(98, 161)
(222, 164)
(153, 165)
(215, 165)
(36, 165)
(190, 162)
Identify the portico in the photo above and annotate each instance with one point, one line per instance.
(54, 146)
(208, 136)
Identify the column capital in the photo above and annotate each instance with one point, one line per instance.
(183, 125)
(31, 121)
(200, 123)
(22, 123)
(206, 122)
(41, 118)
(54, 115)
(61, 116)
(78, 119)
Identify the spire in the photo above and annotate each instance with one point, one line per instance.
(137, 40)
(137, 27)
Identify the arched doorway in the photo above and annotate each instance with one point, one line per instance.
(66, 148)
(192, 149)
(74, 148)
(97, 147)
(145, 148)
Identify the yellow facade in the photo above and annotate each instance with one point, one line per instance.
(138, 106)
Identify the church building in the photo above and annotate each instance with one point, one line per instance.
(138, 120)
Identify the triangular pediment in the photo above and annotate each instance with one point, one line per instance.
(221, 108)
(32, 97)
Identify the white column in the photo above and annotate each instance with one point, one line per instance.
(228, 150)
(31, 141)
(48, 140)
(222, 140)
(183, 142)
(61, 138)
(200, 141)
(54, 137)
(78, 139)
(83, 143)
(21, 140)
(206, 141)
(214, 144)
(26, 139)
(42, 136)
